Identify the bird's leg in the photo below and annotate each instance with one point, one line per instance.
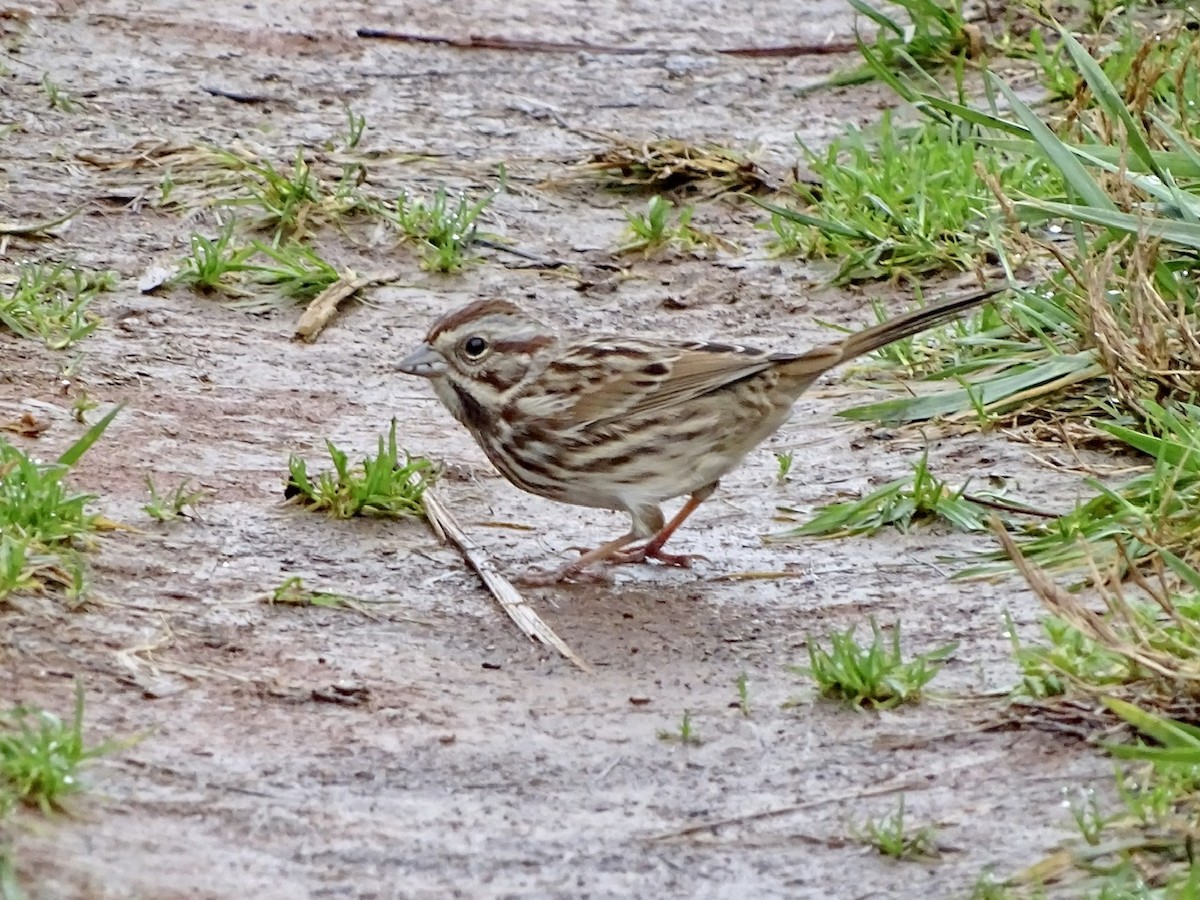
(614, 552)
(653, 548)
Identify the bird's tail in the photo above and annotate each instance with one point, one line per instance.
(910, 323)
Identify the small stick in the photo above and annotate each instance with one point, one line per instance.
(488, 42)
(521, 45)
(506, 595)
(791, 50)
(35, 227)
(879, 791)
(236, 96)
(324, 306)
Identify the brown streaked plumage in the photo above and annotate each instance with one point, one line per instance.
(625, 423)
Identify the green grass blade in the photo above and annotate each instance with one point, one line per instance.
(805, 219)
(1169, 451)
(81, 446)
(1167, 732)
(1186, 234)
(1052, 373)
(971, 115)
(1060, 155)
(1181, 569)
(1110, 99)
(1181, 164)
(877, 17)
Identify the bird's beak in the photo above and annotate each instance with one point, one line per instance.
(424, 362)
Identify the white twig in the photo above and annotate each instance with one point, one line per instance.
(506, 595)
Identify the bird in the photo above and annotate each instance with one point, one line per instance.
(625, 422)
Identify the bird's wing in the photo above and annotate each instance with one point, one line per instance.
(615, 378)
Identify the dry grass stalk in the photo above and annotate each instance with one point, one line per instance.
(1159, 648)
(1149, 348)
(666, 165)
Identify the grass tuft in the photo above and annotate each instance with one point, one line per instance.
(899, 504)
(874, 674)
(892, 836)
(444, 226)
(293, 592)
(50, 303)
(685, 734)
(41, 755)
(902, 201)
(166, 506)
(43, 523)
(385, 486)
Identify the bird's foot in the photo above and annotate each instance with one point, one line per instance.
(612, 553)
(649, 552)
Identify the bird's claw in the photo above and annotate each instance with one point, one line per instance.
(645, 554)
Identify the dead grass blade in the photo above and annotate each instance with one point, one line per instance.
(324, 306)
(506, 595)
(1148, 346)
(1163, 648)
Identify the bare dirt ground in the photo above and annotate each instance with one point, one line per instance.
(460, 760)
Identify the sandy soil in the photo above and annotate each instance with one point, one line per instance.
(428, 750)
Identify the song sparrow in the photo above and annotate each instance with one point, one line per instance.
(625, 423)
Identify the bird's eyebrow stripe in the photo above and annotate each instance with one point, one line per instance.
(523, 345)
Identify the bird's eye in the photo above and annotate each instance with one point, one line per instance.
(474, 347)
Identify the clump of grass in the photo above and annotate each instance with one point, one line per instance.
(874, 674)
(286, 198)
(59, 99)
(660, 226)
(42, 522)
(783, 464)
(41, 755)
(293, 592)
(898, 504)
(445, 226)
(685, 734)
(892, 836)
(382, 485)
(1124, 530)
(168, 505)
(214, 264)
(291, 270)
(1150, 638)
(1067, 656)
(902, 201)
(927, 35)
(50, 303)
(1120, 312)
